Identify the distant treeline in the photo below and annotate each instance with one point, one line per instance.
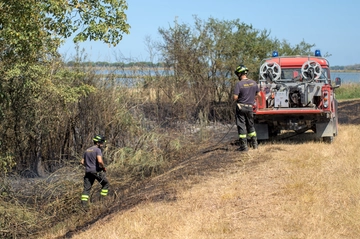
(115, 64)
(355, 67)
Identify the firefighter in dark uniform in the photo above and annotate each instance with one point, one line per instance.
(94, 169)
(244, 95)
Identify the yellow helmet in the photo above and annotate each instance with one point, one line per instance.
(99, 139)
(241, 69)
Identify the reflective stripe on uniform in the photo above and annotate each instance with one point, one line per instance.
(242, 136)
(104, 192)
(252, 134)
(84, 197)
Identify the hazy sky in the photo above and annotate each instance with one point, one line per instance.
(332, 25)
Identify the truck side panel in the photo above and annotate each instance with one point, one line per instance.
(325, 129)
(262, 131)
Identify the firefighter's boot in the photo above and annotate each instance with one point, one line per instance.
(254, 142)
(84, 204)
(243, 145)
(84, 201)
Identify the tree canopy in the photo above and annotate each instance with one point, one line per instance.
(36, 92)
(35, 28)
(207, 53)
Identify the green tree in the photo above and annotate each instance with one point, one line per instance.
(33, 27)
(286, 49)
(205, 55)
(36, 94)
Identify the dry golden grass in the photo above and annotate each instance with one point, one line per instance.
(282, 190)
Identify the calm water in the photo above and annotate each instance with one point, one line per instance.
(347, 77)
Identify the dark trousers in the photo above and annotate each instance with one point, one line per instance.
(244, 120)
(89, 180)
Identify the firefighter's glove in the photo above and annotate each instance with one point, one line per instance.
(104, 170)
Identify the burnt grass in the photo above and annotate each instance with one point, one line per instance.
(200, 160)
(210, 157)
(206, 160)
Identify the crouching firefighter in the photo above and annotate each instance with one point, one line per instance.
(94, 169)
(245, 93)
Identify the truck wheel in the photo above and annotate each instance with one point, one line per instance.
(313, 128)
(336, 120)
(301, 131)
(273, 132)
(328, 140)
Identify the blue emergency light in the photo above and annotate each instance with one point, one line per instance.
(317, 53)
(275, 54)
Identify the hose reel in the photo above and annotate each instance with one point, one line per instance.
(311, 70)
(270, 71)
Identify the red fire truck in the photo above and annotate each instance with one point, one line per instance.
(297, 94)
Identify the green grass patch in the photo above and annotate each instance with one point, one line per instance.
(348, 91)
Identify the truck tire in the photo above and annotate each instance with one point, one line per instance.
(328, 139)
